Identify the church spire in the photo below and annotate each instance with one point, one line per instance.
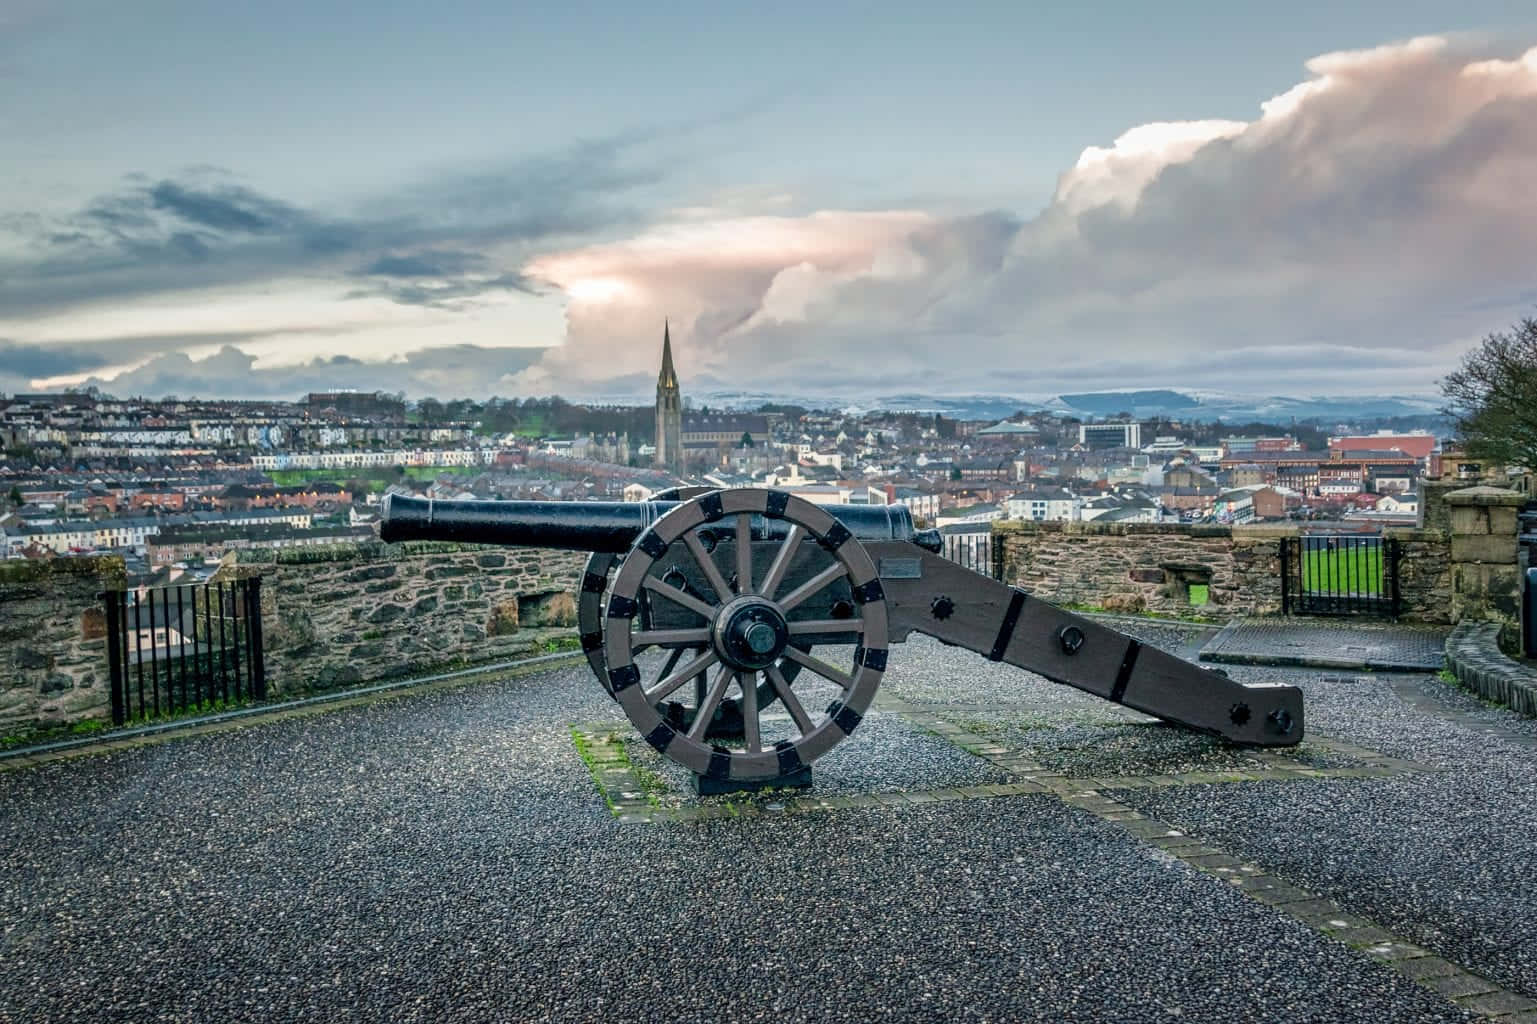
(669, 409)
(668, 378)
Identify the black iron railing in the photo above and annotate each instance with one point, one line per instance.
(177, 649)
(971, 548)
(1340, 574)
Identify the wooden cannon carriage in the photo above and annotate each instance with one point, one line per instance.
(703, 610)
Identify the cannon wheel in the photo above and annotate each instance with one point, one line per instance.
(590, 604)
(746, 635)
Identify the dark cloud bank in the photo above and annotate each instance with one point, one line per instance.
(1368, 226)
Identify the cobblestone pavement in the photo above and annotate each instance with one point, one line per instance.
(1325, 643)
(988, 846)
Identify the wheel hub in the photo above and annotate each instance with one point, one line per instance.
(750, 633)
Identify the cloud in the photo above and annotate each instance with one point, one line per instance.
(427, 263)
(230, 209)
(231, 372)
(1363, 228)
(1366, 223)
(24, 364)
(202, 229)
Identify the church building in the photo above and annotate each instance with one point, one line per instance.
(700, 440)
(669, 410)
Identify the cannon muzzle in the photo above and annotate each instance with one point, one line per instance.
(607, 526)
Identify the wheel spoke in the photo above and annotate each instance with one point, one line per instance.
(751, 727)
(707, 565)
(672, 662)
(826, 626)
(655, 637)
(820, 667)
(811, 586)
(782, 559)
(667, 685)
(677, 596)
(789, 700)
(711, 702)
(701, 682)
(744, 553)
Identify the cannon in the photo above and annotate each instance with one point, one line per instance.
(751, 597)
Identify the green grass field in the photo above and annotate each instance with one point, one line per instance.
(1356, 569)
(380, 475)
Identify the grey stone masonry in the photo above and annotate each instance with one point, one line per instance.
(1473, 656)
(350, 613)
(1147, 567)
(1485, 555)
(53, 663)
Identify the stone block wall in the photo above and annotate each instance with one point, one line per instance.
(1143, 567)
(1147, 567)
(350, 613)
(1473, 656)
(1485, 559)
(53, 648)
(1424, 576)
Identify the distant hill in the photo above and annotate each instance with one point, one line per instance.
(1108, 403)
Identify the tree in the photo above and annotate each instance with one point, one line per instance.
(15, 497)
(1493, 397)
(746, 441)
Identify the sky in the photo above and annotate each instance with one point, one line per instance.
(467, 199)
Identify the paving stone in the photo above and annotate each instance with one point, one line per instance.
(1425, 967)
(1282, 894)
(1462, 984)
(1285, 642)
(1495, 1003)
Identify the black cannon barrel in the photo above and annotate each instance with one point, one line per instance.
(610, 526)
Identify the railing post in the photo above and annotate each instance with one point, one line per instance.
(165, 659)
(1392, 555)
(205, 678)
(1531, 612)
(1286, 602)
(111, 605)
(234, 628)
(138, 646)
(254, 636)
(181, 635)
(223, 650)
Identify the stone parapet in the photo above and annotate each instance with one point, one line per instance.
(1473, 656)
(1146, 567)
(332, 616)
(1151, 567)
(53, 662)
(1485, 555)
(347, 613)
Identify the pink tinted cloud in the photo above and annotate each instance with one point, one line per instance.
(1385, 204)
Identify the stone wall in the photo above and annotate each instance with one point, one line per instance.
(1485, 556)
(1473, 656)
(53, 650)
(332, 616)
(350, 613)
(1146, 567)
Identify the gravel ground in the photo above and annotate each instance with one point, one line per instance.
(1173, 637)
(885, 755)
(446, 857)
(1445, 859)
(1082, 743)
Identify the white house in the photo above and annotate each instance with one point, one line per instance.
(969, 514)
(1054, 505)
(1407, 504)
